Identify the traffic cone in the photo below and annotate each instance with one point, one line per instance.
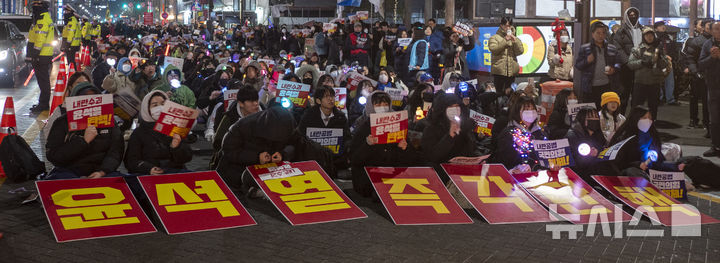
(59, 88)
(86, 57)
(78, 55)
(7, 124)
(70, 72)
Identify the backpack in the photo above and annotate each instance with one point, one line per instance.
(701, 171)
(18, 160)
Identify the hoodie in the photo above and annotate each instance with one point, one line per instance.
(300, 72)
(120, 81)
(437, 145)
(629, 35)
(181, 95)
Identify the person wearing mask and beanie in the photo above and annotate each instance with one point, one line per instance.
(146, 77)
(150, 152)
(610, 117)
(366, 151)
(91, 153)
(586, 132)
(505, 47)
(558, 70)
(119, 79)
(177, 92)
(628, 37)
(651, 66)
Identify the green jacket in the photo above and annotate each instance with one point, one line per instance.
(648, 72)
(182, 95)
(504, 54)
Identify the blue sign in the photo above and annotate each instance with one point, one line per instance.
(480, 58)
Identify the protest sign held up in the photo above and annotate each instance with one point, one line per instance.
(390, 127)
(89, 110)
(175, 119)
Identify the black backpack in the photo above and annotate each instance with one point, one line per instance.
(18, 160)
(701, 171)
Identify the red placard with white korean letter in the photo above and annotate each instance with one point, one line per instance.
(90, 110)
(340, 98)
(483, 123)
(296, 92)
(175, 119)
(575, 200)
(644, 197)
(303, 193)
(415, 196)
(390, 127)
(92, 208)
(495, 194)
(229, 96)
(192, 202)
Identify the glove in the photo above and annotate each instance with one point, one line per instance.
(209, 135)
(556, 59)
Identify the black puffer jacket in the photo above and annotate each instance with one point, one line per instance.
(505, 152)
(623, 38)
(148, 148)
(438, 147)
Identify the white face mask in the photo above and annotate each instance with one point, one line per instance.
(155, 112)
(284, 30)
(529, 116)
(175, 83)
(453, 113)
(644, 124)
(382, 109)
(572, 102)
(126, 67)
(365, 30)
(111, 61)
(383, 78)
(509, 32)
(564, 39)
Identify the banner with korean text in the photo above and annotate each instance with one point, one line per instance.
(296, 92)
(192, 202)
(415, 196)
(90, 110)
(567, 195)
(304, 193)
(328, 138)
(644, 197)
(228, 97)
(92, 208)
(390, 127)
(483, 123)
(175, 119)
(555, 153)
(495, 194)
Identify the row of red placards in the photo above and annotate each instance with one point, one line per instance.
(190, 202)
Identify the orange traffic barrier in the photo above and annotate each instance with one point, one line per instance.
(7, 124)
(60, 85)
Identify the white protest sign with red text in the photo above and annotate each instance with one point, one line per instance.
(192, 202)
(340, 98)
(483, 123)
(89, 110)
(92, 208)
(415, 196)
(228, 97)
(303, 193)
(296, 92)
(175, 119)
(390, 127)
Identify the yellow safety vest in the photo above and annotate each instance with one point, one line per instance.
(68, 33)
(96, 31)
(42, 35)
(78, 34)
(86, 30)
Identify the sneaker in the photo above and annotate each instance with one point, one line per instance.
(692, 124)
(714, 151)
(344, 176)
(38, 108)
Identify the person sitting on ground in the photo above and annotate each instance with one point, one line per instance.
(513, 149)
(610, 117)
(91, 153)
(245, 105)
(151, 152)
(177, 92)
(559, 121)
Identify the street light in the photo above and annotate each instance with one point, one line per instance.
(125, 6)
(138, 6)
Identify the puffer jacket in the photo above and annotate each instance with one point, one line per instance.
(623, 38)
(648, 72)
(182, 95)
(560, 70)
(504, 54)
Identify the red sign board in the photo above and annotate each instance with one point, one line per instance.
(92, 208)
(567, 194)
(340, 98)
(495, 194)
(175, 118)
(416, 196)
(192, 202)
(90, 110)
(303, 193)
(483, 123)
(644, 197)
(148, 18)
(297, 92)
(390, 127)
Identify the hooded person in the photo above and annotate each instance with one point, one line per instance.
(629, 36)
(586, 142)
(92, 152)
(309, 75)
(451, 80)
(650, 65)
(150, 152)
(449, 133)
(366, 152)
(120, 79)
(146, 76)
(181, 94)
(261, 138)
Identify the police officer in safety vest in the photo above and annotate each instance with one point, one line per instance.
(40, 51)
(70, 38)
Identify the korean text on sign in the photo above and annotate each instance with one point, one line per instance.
(303, 193)
(495, 194)
(92, 208)
(483, 122)
(554, 153)
(296, 92)
(328, 138)
(415, 196)
(90, 110)
(191, 202)
(671, 183)
(175, 119)
(389, 127)
(228, 97)
(340, 98)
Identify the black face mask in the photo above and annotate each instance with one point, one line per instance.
(308, 81)
(427, 96)
(223, 82)
(593, 125)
